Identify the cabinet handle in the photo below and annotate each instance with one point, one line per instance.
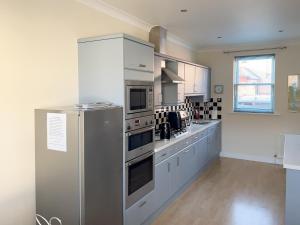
(169, 167)
(177, 161)
(142, 204)
(163, 155)
(142, 65)
(186, 151)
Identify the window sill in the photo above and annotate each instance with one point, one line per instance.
(256, 114)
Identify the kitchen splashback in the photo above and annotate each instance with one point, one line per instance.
(205, 108)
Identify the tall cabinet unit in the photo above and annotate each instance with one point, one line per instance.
(106, 62)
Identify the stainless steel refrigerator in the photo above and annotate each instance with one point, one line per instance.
(79, 164)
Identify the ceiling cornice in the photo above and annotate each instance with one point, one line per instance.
(235, 47)
(112, 11)
(177, 40)
(117, 13)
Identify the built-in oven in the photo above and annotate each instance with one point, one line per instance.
(139, 177)
(138, 98)
(139, 136)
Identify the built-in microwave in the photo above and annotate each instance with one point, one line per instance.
(138, 98)
(139, 178)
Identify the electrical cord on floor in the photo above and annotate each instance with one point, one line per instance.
(38, 217)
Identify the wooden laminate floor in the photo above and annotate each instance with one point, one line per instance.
(231, 192)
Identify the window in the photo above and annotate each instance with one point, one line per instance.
(254, 81)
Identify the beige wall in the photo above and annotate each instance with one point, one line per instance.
(181, 52)
(38, 68)
(255, 136)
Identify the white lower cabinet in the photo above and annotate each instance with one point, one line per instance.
(141, 210)
(162, 183)
(210, 147)
(214, 142)
(174, 169)
(201, 153)
(188, 163)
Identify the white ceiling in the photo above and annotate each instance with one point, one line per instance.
(237, 21)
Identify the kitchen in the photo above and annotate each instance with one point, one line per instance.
(52, 69)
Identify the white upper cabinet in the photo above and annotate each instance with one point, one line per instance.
(169, 92)
(201, 80)
(189, 77)
(181, 86)
(197, 81)
(138, 56)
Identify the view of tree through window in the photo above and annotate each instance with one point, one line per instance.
(254, 84)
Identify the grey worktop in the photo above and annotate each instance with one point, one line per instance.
(191, 130)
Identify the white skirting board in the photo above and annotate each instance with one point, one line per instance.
(256, 158)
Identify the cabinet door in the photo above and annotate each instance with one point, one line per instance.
(188, 163)
(204, 78)
(201, 156)
(189, 77)
(181, 86)
(157, 81)
(219, 138)
(162, 183)
(207, 85)
(201, 80)
(199, 76)
(177, 168)
(138, 56)
(140, 211)
(210, 146)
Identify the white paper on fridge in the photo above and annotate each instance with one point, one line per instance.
(57, 131)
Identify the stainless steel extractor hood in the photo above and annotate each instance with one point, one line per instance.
(158, 36)
(168, 76)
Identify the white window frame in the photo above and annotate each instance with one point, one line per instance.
(236, 85)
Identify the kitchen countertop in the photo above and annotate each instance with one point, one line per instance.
(291, 158)
(191, 130)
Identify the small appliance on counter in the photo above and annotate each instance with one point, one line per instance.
(174, 119)
(197, 114)
(165, 131)
(184, 119)
(178, 122)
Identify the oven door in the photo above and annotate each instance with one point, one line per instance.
(139, 142)
(139, 178)
(139, 101)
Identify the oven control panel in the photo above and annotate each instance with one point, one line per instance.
(140, 122)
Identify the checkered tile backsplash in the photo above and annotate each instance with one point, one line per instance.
(206, 108)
